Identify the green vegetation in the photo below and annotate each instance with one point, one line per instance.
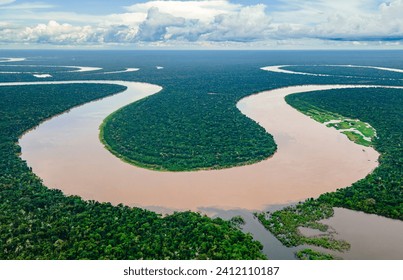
(364, 128)
(150, 133)
(357, 138)
(309, 254)
(284, 225)
(39, 223)
(356, 130)
(315, 113)
(237, 221)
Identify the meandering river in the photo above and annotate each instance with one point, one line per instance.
(66, 153)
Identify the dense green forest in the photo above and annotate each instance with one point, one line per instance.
(39, 223)
(218, 135)
(381, 192)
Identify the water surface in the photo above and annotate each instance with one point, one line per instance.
(371, 237)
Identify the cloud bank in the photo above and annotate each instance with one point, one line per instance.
(201, 23)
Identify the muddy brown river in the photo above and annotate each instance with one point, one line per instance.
(66, 153)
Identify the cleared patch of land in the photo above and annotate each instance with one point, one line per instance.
(356, 130)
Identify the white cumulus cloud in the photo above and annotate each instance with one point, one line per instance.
(156, 25)
(248, 24)
(55, 33)
(208, 23)
(383, 23)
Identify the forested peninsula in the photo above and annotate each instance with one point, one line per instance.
(218, 136)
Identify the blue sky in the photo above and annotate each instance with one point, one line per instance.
(112, 6)
(201, 24)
